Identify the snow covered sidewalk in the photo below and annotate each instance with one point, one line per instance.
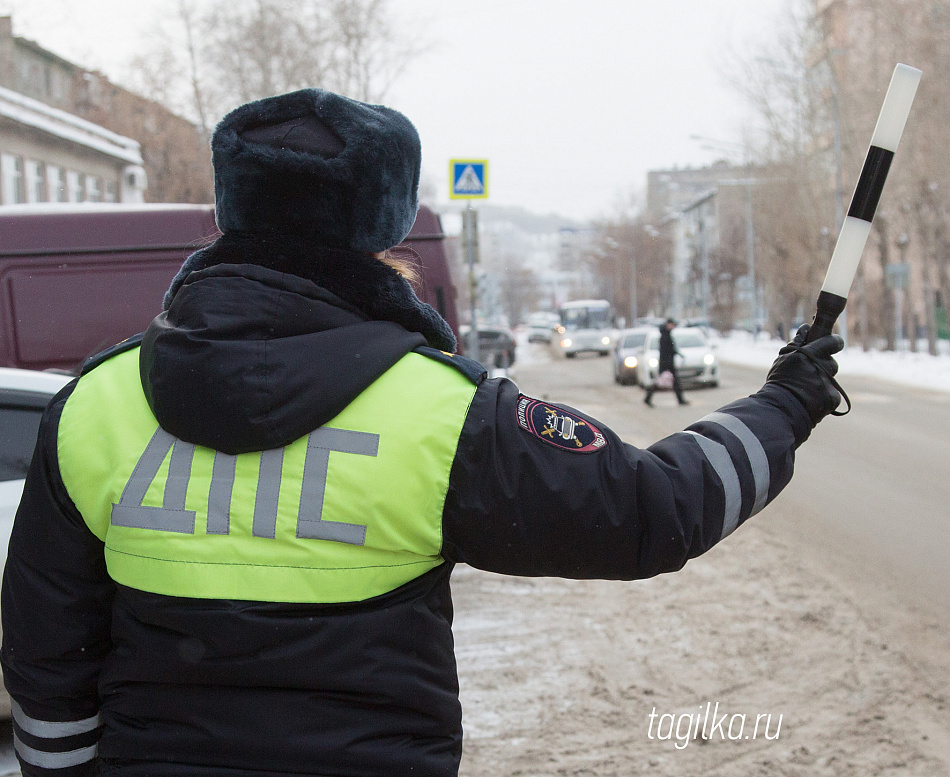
(915, 369)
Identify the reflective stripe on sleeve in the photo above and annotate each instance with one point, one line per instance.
(758, 460)
(48, 730)
(717, 455)
(46, 760)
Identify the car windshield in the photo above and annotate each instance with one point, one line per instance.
(692, 339)
(18, 428)
(585, 318)
(634, 340)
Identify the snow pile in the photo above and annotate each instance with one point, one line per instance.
(915, 369)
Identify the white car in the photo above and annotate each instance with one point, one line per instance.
(696, 362)
(541, 327)
(628, 353)
(24, 395)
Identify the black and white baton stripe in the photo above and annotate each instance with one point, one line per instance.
(857, 225)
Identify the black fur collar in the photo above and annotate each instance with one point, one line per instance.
(376, 289)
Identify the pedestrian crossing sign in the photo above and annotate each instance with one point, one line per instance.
(468, 179)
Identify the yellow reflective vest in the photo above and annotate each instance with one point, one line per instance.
(350, 511)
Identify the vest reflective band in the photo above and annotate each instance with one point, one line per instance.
(348, 512)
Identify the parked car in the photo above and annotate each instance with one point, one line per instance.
(628, 353)
(696, 364)
(541, 327)
(24, 395)
(496, 346)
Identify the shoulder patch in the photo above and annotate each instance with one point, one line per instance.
(470, 368)
(94, 361)
(558, 427)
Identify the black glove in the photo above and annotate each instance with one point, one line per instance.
(808, 372)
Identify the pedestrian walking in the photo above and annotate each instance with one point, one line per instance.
(233, 550)
(667, 363)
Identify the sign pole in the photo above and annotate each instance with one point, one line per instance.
(468, 180)
(470, 232)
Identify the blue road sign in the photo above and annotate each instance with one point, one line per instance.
(468, 179)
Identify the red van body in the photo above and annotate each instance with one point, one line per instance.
(75, 279)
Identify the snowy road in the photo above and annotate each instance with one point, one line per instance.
(823, 609)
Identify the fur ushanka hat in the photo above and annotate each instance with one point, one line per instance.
(317, 166)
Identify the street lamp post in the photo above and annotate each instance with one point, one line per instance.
(748, 182)
(902, 241)
(750, 256)
(704, 263)
(634, 315)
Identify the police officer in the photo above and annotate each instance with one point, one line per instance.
(232, 554)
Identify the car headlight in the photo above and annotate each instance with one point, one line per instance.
(709, 359)
(567, 342)
(630, 362)
(605, 340)
(654, 363)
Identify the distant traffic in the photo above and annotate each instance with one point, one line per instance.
(589, 326)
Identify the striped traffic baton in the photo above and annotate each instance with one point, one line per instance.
(857, 226)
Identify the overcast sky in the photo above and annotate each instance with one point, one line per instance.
(570, 101)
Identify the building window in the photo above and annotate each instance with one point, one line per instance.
(24, 74)
(33, 81)
(58, 86)
(13, 183)
(93, 189)
(76, 185)
(35, 181)
(112, 191)
(19, 182)
(56, 179)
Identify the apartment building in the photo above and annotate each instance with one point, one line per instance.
(68, 134)
(49, 155)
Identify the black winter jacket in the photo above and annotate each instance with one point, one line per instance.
(667, 351)
(179, 686)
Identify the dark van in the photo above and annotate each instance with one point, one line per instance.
(75, 279)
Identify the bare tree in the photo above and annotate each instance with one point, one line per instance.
(263, 47)
(367, 54)
(815, 98)
(210, 56)
(520, 289)
(632, 262)
(220, 53)
(186, 13)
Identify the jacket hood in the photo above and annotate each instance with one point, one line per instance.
(247, 358)
(373, 287)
